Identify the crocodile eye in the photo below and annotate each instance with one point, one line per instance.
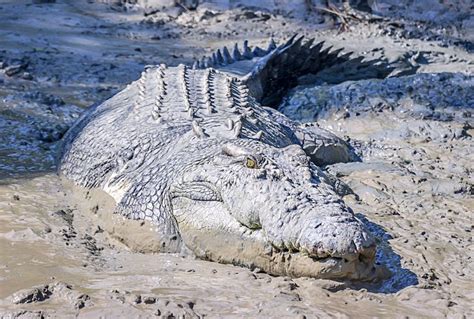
(250, 162)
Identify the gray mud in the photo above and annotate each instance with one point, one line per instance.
(62, 254)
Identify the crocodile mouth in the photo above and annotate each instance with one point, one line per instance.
(210, 230)
(355, 266)
(211, 233)
(335, 268)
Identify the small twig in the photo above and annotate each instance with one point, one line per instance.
(339, 15)
(344, 18)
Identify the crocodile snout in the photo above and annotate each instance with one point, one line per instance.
(339, 236)
(343, 244)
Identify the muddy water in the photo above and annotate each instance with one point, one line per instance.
(44, 243)
(61, 257)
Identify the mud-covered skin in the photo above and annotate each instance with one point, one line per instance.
(180, 133)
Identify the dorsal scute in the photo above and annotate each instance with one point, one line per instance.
(170, 96)
(238, 61)
(223, 57)
(212, 103)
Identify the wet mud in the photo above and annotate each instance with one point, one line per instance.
(63, 254)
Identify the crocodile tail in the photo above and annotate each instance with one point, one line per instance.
(288, 64)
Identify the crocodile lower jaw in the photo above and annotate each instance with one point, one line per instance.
(223, 240)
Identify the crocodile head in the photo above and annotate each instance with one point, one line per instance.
(271, 208)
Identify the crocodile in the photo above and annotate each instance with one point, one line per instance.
(201, 152)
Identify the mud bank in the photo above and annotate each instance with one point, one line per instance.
(413, 187)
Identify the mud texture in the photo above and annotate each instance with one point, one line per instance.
(62, 254)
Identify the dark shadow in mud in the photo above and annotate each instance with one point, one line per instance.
(294, 63)
(400, 277)
(442, 97)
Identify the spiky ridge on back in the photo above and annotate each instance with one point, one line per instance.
(212, 102)
(224, 57)
(206, 102)
(270, 73)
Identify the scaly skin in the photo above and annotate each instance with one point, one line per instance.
(192, 151)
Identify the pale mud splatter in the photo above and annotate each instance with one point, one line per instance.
(61, 257)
